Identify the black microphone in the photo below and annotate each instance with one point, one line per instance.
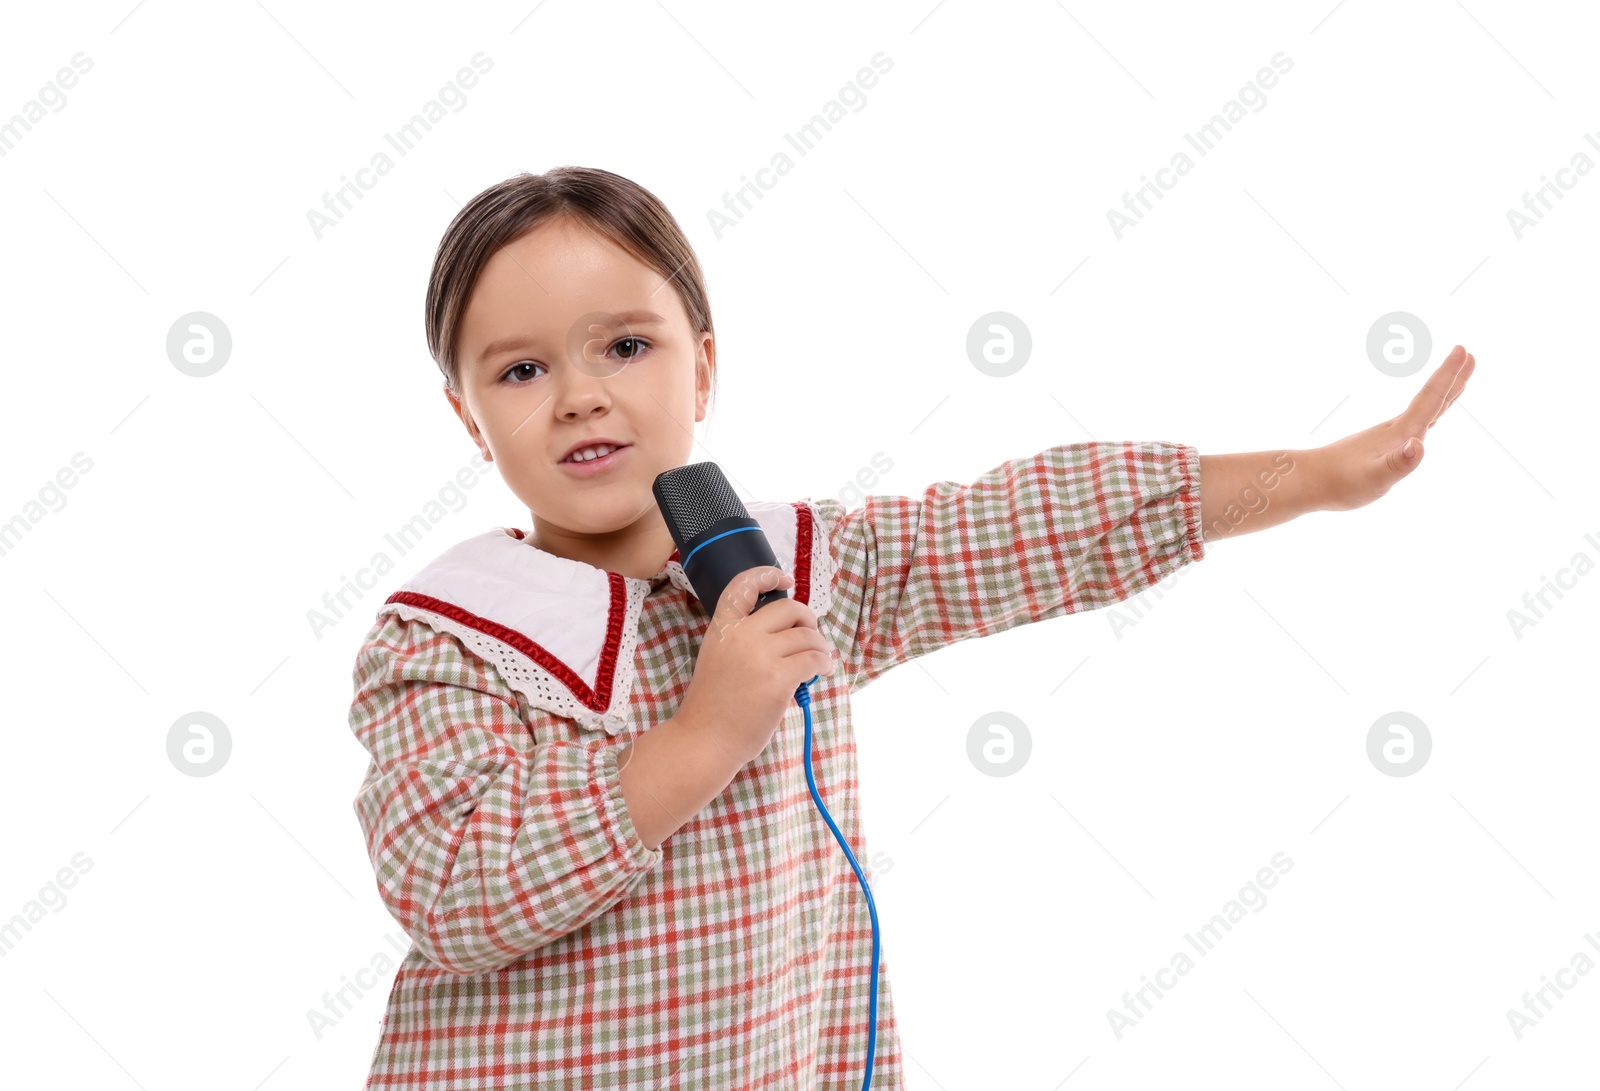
(716, 536)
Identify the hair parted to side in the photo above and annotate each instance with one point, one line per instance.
(621, 210)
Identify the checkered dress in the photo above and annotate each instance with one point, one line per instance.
(553, 949)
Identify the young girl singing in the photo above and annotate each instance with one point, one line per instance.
(587, 802)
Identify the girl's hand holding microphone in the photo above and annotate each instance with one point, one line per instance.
(750, 664)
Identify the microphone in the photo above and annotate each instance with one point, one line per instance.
(716, 536)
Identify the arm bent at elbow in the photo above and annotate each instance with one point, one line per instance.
(486, 843)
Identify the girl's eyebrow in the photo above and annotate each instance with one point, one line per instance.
(641, 318)
(519, 341)
(505, 344)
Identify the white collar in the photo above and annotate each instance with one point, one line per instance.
(563, 632)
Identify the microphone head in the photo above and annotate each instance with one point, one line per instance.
(715, 534)
(693, 498)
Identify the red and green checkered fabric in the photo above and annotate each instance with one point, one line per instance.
(553, 949)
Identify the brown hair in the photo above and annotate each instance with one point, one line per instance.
(619, 209)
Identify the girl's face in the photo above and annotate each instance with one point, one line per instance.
(566, 338)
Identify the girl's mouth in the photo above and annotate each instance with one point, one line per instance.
(596, 465)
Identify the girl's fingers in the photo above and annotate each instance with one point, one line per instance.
(1442, 388)
(1458, 382)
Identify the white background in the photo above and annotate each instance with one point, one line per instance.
(1228, 724)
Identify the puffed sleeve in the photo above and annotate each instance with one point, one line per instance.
(486, 843)
(1072, 528)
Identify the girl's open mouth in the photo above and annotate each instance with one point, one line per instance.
(596, 465)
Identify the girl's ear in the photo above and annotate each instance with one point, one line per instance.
(466, 418)
(705, 364)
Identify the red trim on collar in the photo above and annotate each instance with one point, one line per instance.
(599, 699)
(802, 553)
(596, 700)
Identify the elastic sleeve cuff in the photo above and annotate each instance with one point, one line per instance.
(606, 782)
(1194, 538)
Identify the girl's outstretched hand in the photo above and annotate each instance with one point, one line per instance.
(1358, 469)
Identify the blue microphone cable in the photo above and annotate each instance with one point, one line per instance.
(802, 697)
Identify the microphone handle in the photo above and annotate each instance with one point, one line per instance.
(725, 549)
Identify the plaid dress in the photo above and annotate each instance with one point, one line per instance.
(551, 948)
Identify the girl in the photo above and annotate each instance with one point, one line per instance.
(587, 801)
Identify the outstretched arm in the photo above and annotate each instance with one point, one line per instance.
(1246, 492)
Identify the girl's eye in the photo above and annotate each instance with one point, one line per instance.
(638, 345)
(518, 367)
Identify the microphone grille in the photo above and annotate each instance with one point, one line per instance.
(695, 497)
